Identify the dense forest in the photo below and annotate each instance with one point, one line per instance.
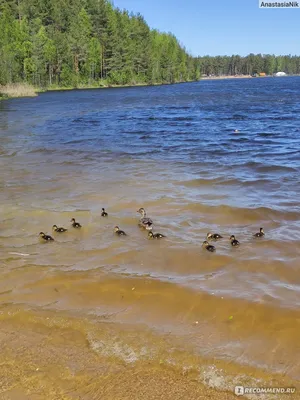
(71, 43)
(86, 42)
(252, 64)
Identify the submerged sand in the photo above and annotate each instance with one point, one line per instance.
(52, 358)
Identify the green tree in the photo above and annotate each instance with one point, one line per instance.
(79, 37)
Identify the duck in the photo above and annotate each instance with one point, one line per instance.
(118, 231)
(45, 237)
(60, 230)
(259, 234)
(234, 241)
(75, 224)
(145, 222)
(208, 246)
(213, 236)
(152, 235)
(104, 213)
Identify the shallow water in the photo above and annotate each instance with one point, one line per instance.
(172, 150)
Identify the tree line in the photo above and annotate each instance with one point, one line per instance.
(69, 43)
(86, 42)
(249, 65)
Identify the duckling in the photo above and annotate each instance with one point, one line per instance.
(234, 241)
(208, 246)
(259, 234)
(152, 235)
(145, 222)
(213, 236)
(104, 213)
(60, 230)
(75, 224)
(47, 238)
(118, 231)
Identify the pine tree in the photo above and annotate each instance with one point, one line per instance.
(79, 37)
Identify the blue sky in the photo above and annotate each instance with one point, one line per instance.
(220, 27)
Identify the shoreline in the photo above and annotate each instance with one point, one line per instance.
(107, 356)
(34, 92)
(220, 77)
(31, 91)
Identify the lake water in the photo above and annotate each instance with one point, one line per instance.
(230, 317)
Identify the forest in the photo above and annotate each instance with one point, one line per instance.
(82, 43)
(68, 43)
(249, 65)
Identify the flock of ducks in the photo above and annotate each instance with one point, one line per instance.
(144, 222)
(234, 242)
(147, 223)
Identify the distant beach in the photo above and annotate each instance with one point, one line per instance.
(225, 77)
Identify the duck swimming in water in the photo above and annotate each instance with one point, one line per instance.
(75, 224)
(118, 231)
(47, 238)
(104, 213)
(208, 246)
(213, 236)
(259, 234)
(152, 235)
(145, 222)
(60, 230)
(234, 241)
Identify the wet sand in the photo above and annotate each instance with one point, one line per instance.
(64, 365)
(55, 356)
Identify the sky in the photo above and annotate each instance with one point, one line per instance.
(223, 27)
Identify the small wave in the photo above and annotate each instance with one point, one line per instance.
(281, 118)
(183, 118)
(246, 214)
(178, 108)
(268, 168)
(78, 120)
(118, 349)
(19, 254)
(239, 116)
(240, 139)
(78, 141)
(206, 182)
(214, 377)
(86, 121)
(234, 118)
(14, 153)
(267, 134)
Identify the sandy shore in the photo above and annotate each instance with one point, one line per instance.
(225, 77)
(64, 366)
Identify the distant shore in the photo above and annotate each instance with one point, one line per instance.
(243, 76)
(18, 90)
(226, 77)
